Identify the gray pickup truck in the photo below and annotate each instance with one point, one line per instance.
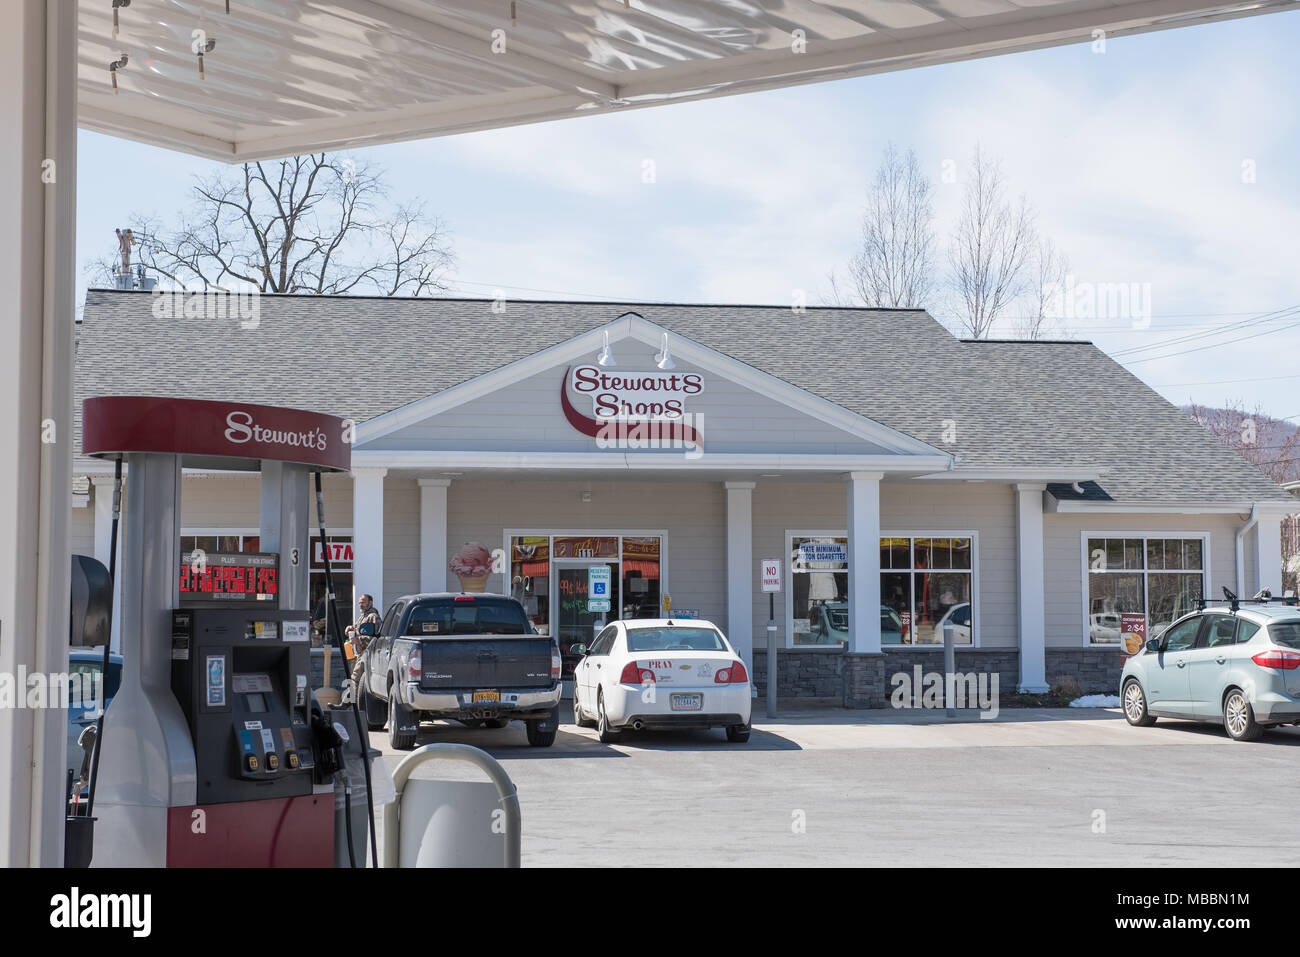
(472, 658)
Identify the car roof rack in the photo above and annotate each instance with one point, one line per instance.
(1261, 597)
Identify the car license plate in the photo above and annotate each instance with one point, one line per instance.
(687, 702)
(480, 696)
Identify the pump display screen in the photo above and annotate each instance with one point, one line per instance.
(229, 576)
(256, 689)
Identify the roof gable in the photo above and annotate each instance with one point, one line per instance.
(537, 404)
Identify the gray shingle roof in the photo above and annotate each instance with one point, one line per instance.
(1014, 404)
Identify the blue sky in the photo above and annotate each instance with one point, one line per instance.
(1133, 159)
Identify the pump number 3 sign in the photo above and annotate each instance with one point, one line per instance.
(598, 588)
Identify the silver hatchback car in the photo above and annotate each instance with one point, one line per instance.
(1241, 667)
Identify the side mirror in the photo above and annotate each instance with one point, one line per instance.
(366, 628)
(92, 603)
(578, 650)
(1153, 645)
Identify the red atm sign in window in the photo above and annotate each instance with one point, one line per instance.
(222, 577)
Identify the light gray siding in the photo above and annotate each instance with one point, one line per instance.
(234, 501)
(81, 532)
(1064, 562)
(527, 417)
(401, 537)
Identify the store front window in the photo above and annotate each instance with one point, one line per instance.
(549, 576)
(925, 585)
(341, 563)
(819, 589)
(926, 582)
(1137, 586)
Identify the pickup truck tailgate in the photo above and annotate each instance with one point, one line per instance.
(499, 661)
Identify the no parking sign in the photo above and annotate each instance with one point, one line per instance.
(771, 574)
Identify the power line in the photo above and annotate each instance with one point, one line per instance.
(1227, 327)
(1176, 385)
(1213, 345)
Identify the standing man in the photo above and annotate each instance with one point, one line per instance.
(367, 615)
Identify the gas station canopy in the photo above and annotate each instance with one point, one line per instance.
(292, 76)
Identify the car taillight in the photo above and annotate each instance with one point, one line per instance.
(557, 663)
(1285, 660)
(464, 598)
(633, 674)
(414, 663)
(736, 674)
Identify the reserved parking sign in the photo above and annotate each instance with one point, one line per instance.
(598, 588)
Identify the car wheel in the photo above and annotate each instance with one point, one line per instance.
(400, 740)
(579, 717)
(738, 733)
(606, 734)
(1135, 705)
(1239, 717)
(538, 738)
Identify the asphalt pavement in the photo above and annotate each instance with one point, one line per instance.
(1036, 787)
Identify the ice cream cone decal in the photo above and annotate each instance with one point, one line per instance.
(472, 564)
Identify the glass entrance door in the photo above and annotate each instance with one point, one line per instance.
(572, 623)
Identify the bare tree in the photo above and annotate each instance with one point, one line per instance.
(991, 246)
(894, 266)
(315, 224)
(1271, 445)
(1047, 271)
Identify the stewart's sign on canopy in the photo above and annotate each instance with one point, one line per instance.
(113, 425)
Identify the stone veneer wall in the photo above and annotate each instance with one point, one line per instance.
(864, 680)
(337, 669)
(804, 673)
(1096, 669)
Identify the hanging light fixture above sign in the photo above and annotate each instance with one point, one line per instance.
(605, 358)
(663, 358)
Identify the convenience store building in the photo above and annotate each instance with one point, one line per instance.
(1033, 495)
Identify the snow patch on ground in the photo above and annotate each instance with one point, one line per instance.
(1096, 701)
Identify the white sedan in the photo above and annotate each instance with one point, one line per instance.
(659, 673)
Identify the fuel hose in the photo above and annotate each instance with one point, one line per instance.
(362, 736)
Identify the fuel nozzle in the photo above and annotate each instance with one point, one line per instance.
(330, 737)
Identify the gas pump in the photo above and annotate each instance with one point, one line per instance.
(209, 748)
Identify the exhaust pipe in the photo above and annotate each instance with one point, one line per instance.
(636, 725)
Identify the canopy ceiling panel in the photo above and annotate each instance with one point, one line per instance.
(289, 76)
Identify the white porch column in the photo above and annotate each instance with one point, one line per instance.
(368, 535)
(1268, 552)
(433, 535)
(103, 485)
(1030, 594)
(864, 561)
(740, 569)
(38, 193)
